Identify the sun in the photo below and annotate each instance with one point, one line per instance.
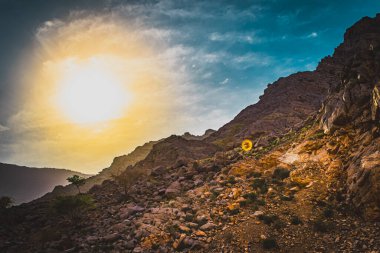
(89, 91)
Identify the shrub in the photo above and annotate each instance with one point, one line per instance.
(232, 180)
(254, 174)
(196, 166)
(281, 173)
(260, 183)
(287, 198)
(318, 135)
(228, 236)
(269, 243)
(260, 202)
(5, 202)
(295, 220)
(268, 219)
(278, 224)
(73, 206)
(251, 196)
(321, 226)
(328, 212)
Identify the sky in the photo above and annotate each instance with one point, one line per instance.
(188, 66)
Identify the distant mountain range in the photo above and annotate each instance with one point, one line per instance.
(24, 184)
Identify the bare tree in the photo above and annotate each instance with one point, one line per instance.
(126, 177)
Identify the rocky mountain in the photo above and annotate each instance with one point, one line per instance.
(312, 176)
(24, 184)
(282, 107)
(189, 136)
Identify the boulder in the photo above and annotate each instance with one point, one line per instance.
(173, 190)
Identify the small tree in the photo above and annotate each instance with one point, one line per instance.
(73, 206)
(125, 178)
(77, 181)
(5, 202)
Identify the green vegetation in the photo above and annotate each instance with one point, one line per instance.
(322, 226)
(261, 184)
(281, 173)
(73, 206)
(77, 181)
(268, 219)
(255, 174)
(295, 220)
(250, 197)
(5, 202)
(269, 243)
(231, 180)
(317, 135)
(328, 212)
(286, 197)
(278, 224)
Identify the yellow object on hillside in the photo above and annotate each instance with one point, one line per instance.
(246, 145)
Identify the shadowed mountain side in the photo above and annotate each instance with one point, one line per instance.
(285, 104)
(24, 184)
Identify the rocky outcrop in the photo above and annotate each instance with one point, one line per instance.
(375, 103)
(364, 181)
(354, 99)
(189, 136)
(176, 151)
(354, 102)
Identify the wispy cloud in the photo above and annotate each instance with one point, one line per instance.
(225, 81)
(249, 38)
(3, 128)
(313, 35)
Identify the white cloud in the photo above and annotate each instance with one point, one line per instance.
(225, 81)
(3, 128)
(251, 59)
(313, 35)
(233, 37)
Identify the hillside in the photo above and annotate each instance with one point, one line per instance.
(118, 165)
(312, 176)
(24, 184)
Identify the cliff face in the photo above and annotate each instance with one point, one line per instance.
(354, 99)
(354, 102)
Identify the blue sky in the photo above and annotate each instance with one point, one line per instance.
(225, 52)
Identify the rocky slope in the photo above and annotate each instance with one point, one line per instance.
(313, 176)
(119, 163)
(23, 184)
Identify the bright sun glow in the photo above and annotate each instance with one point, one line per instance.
(89, 92)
